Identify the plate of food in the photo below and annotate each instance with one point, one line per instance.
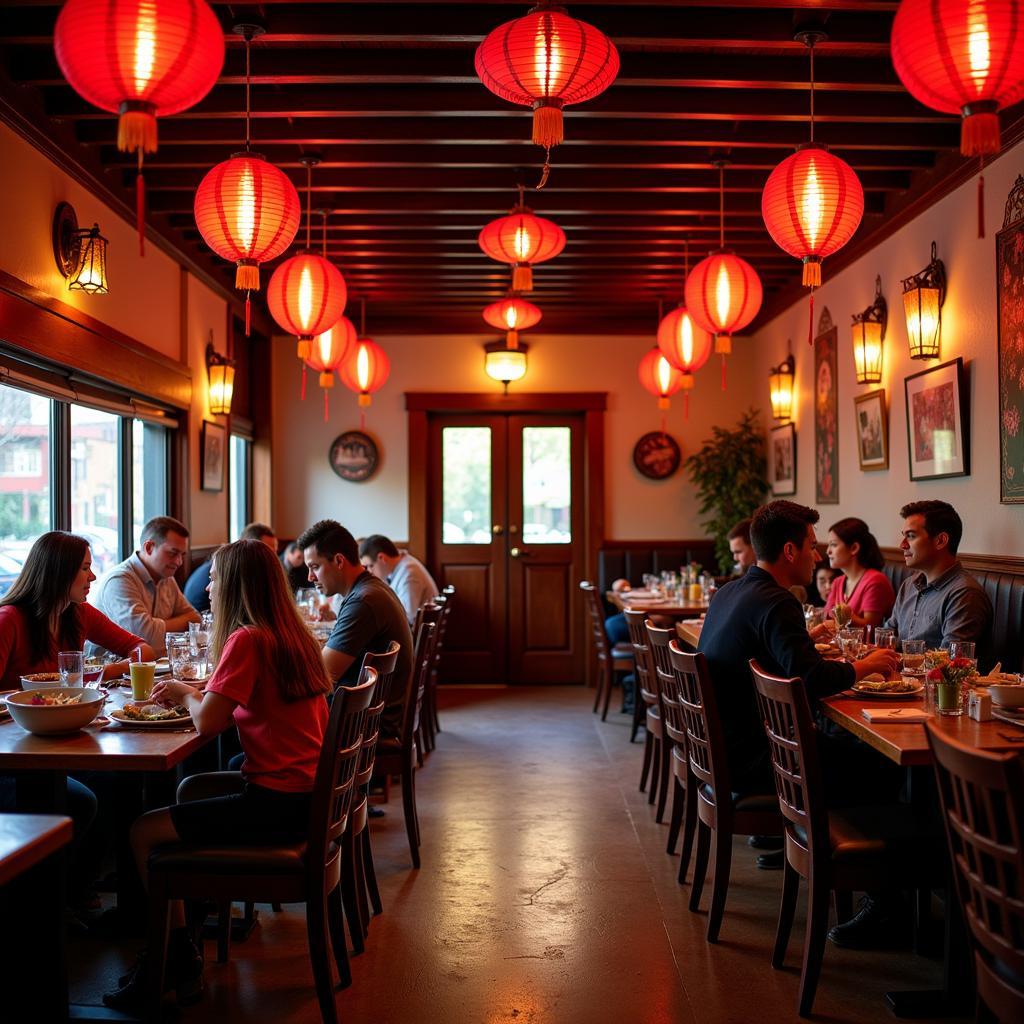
(151, 716)
(901, 689)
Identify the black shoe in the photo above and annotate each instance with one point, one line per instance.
(375, 812)
(765, 842)
(184, 974)
(878, 924)
(772, 861)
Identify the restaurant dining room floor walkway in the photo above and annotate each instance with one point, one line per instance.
(545, 897)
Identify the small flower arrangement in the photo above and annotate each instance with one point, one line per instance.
(952, 679)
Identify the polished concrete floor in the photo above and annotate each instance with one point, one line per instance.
(545, 897)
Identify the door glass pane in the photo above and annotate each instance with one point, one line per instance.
(24, 477)
(547, 499)
(149, 475)
(238, 486)
(95, 458)
(466, 485)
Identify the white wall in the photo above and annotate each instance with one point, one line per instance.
(306, 489)
(968, 330)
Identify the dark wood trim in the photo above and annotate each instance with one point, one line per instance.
(488, 401)
(635, 545)
(981, 563)
(50, 329)
(418, 489)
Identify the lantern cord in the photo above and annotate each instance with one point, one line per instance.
(362, 421)
(248, 50)
(248, 312)
(723, 371)
(810, 46)
(545, 170)
(810, 319)
(309, 201)
(664, 424)
(326, 409)
(981, 197)
(721, 206)
(302, 393)
(362, 318)
(324, 215)
(140, 207)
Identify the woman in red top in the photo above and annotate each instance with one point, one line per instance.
(270, 682)
(863, 586)
(45, 611)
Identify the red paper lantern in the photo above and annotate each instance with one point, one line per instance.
(685, 345)
(522, 239)
(328, 351)
(659, 376)
(812, 204)
(140, 59)
(962, 57)
(247, 212)
(547, 60)
(306, 296)
(365, 370)
(512, 315)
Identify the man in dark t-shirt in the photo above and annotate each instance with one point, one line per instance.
(371, 616)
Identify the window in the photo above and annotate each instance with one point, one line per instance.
(25, 446)
(239, 485)
(547, 476)
(466, 485)
(96, 483)
(150, 469)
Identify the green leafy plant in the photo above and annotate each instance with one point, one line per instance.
(729, 474)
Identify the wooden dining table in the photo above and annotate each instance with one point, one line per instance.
(675, 608)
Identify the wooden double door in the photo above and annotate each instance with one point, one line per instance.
(506, 528)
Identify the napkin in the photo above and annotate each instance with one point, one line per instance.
(874, 715)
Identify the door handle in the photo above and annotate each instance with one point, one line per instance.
(519, 553)
(497, 529)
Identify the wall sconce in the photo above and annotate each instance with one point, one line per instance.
(503, 363)
(868, 335)
(780, 387)
(80, 253)
(923, 296)
(221, 373)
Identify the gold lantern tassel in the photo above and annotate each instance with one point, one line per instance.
(304, 348)
(547, 123)
(522, 278)
(723, 346)
(512, 339)
(979, 130)
(247, 276)
(812, 272)
(136, 127)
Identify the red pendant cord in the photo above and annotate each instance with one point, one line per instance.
(140, 207)
(303, 396)
(723, 371)
(248, 312)
(326, 410)
(810, 319)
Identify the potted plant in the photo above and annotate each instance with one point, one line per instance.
(729, 474)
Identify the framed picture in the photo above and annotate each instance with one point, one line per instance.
(782, 460)
(354, 456)
(656, 455)
(1010, 326)
(937, 439)
(211, 462)
(872, 430)
(826, 413)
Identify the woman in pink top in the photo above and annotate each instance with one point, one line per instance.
(863, 586)
(270, 682)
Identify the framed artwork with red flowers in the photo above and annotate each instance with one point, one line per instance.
(937, 422)
(1010, 321)
(826, 412)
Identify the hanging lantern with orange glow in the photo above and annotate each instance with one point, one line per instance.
(365, 369)
(546, 60)
(813, 202)
(512, 315)
(139, 59)
(963, 57)
(329, 351)
(246, 209)
(521, 239)
(686, 346)
(660, 378)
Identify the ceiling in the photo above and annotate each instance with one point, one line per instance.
(417, 155)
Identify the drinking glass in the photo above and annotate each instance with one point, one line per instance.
(198, 636)
(142, 675)
(179, 655)
(851, 642)
(92, 673)
(885, 639)
(963, 649)
(70, 665)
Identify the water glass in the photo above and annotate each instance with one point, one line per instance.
(851, 642)
(70, 665)
(92, 673)
(885, 639)
(179, 655)
(198, 636)
(963, 649)
(913, 657)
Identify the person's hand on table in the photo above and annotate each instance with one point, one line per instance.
(821, 631)
(883, 661)
(172, 691)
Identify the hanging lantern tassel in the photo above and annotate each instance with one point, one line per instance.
(364, 402)
(140, 207)
(547, 123)
(979, 130)
(326, 382)
(304, 348)
(686, 384)
(545, 171)
(810, 318)
(981, 200)
(512, 340)
(247, 276)
(812, 272)
(136, 127)
(248, 313)
(302, 393)
(522, 278)
(723, 346)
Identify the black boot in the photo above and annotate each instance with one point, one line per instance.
(881, 921)
(184, 973)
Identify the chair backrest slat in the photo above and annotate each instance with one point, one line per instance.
(660, 639)
(423, 656)
(643, 662)
(596, 618)
(384, 667)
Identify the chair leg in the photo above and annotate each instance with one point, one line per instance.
(646, 766)
(419, 746)
(700, 865)
(639, 710)
(348, 894)
(720, 887)
(814, 943)
(790, 888)
(409, 806)
(599, 686)
(655, 769)
(223, 931)
(676, 820)
(156, 962)
(689, 828)
(666, 771)
(319, 937)
(336, 923)
(371, 874)
(360, 873)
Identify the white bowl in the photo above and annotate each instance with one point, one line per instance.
(1008, 696)
(36, 681)
(51, 719)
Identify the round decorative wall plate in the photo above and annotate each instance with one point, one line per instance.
(354, 456)
(656, 455)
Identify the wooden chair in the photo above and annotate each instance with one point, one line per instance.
(721, 813)
(358, 877)
(673, 730)
(609, 661)
(308, 872)
(646, 701)
(431, 724)
(982, 798)
(397, 755)
(863, 848)
(424, 739)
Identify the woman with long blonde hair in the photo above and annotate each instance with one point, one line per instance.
(270, 682)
